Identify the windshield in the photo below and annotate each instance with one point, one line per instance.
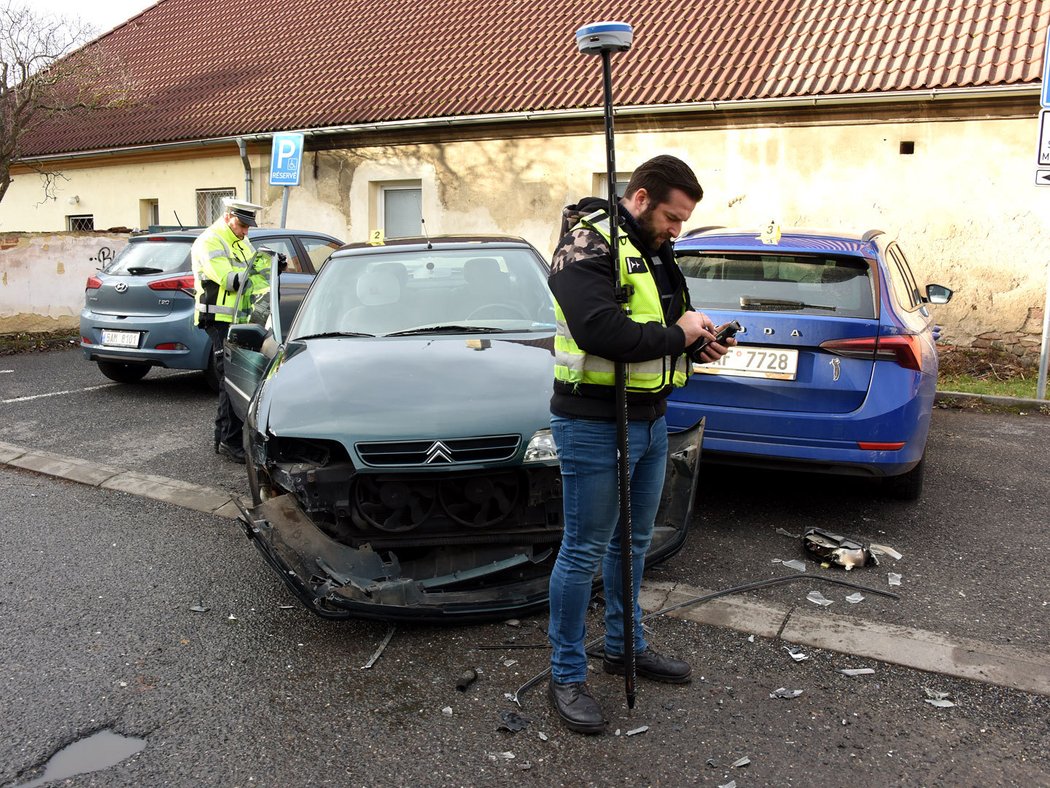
(801, 284)
(430, 291)
(152, 257)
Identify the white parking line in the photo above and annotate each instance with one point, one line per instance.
(57, 393)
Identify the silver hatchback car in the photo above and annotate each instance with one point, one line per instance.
(138, 310)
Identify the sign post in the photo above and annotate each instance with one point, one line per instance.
(286, 160)
(1042, 178)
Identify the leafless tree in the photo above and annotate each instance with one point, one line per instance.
(47, 68)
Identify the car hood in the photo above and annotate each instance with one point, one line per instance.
(354, 389)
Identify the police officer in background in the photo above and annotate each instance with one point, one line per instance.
(222, 255)
(656, 339)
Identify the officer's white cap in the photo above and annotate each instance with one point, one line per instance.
(243, 210)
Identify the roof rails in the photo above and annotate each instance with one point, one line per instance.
(698, 230)
(870, 234)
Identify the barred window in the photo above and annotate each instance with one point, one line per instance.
(209, 204)
(80, 223)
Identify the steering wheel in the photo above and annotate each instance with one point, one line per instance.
(500, 306)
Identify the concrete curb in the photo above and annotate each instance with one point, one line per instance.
(956, 398)
(913, 648)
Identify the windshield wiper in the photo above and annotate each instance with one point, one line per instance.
(328, 334)
(139, 270)
(447, 329)
(776, 304)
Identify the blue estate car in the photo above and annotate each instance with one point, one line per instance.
(138, 310)
(836, 366)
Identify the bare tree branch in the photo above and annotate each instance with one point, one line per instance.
(47, 68)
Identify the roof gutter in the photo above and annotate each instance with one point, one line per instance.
(947, 94)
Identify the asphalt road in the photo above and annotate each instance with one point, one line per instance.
(97, 631)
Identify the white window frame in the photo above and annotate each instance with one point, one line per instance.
(214, 203)
(80, 218)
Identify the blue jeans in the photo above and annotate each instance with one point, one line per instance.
(587, 453)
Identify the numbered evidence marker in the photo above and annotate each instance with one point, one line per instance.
(376, 238)
(771, 234)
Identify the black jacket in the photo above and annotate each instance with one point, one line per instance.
(582, 279)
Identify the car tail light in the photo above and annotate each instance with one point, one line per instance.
(184, 283)
(877, 446)
(171, 346)
(905, 349)
(93, 283)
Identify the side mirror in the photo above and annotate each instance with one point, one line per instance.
(938, 294)
(247, 335)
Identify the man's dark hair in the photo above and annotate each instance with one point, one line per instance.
(661, 174)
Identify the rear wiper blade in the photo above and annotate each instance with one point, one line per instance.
(446, 329)
(139, 270)
(775, 304)
(328, 334)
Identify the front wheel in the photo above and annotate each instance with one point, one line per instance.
(123, 373)
(907, 486)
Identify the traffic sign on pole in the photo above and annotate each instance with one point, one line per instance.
(1045, 97)
(286, 159)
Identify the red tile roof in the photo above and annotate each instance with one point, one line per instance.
(211, 69)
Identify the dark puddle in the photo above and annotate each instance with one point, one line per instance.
(98, 751)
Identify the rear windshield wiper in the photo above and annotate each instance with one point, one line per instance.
(138, 270)
(776, 304)
(328, 334)
(447, 329)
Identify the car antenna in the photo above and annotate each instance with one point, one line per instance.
(177, 219)
(423, 223)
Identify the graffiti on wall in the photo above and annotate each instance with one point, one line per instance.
(104, 256)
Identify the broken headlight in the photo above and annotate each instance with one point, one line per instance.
(541, 448)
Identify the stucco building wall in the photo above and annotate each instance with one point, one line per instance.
(963, 204)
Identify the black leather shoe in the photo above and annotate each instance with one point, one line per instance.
(576, 706)
(235, 453)
(653, 666)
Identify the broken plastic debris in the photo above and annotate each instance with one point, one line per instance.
(501, 756)
(466, 678)
(784, 692)
(730, 784)
(835, 548)
(881, 549)
(231, 617)
(796, 654)
(745, 761)
(543, 736)
(855, 597)
(782, 532)
(935, 694)
(512, 721)
(200, 608)
(635, 731)
(750, 638)
(895, 579)
(379, 651)
(794, 563)
(856, 671)
(940, 703)
(447, 711)
(509, 663)
(818, 598)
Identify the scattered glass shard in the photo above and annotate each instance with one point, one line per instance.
(782, 532)
(818, 598)
(742, 762)
(730, 784)
(940, 704)
(508, 663)
(447, 711)
(885, 550)
(857, 671)
(544, 736)
(796, 654)
(794, 563)
(855, 598)
(784, 692)
(200, 608)
(750, 638)
(894, 578)
(936, 694)
(643, 728)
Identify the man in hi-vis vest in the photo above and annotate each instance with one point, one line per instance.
(655, 340)
(222, 256)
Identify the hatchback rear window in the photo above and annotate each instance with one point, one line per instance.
(152, 257)
(801, 284)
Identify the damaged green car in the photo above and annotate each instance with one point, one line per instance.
(397, 433)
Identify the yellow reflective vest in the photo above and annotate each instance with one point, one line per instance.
(574, 365)
(217, 255)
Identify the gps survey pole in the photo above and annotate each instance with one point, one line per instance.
(604, 38)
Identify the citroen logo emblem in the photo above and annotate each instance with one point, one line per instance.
(120, 287)
(438, 452)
